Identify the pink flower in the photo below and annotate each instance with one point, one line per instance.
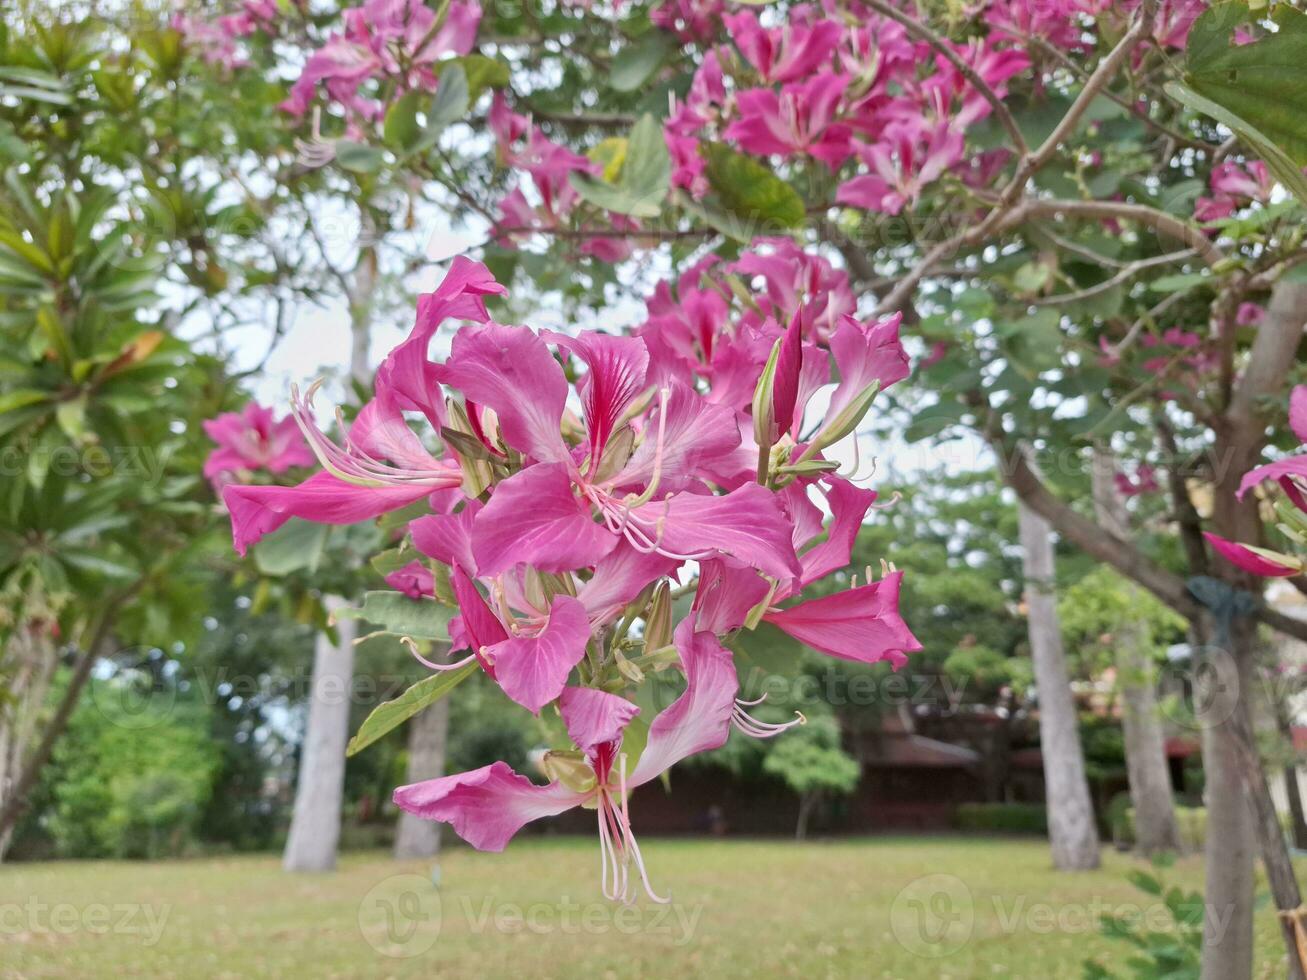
(901, 167)
(689, 20)
(1249, 314)
(784, 54)
(1253, 183)
(1258, 561)
(254, 439)
(800, 120)
(488, 806)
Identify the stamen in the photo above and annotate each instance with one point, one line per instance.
(751, 726)
(417, 655)
(659, 446)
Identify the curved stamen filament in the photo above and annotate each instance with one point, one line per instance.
(630, 843)
(432, 665)
(659, 445)
(749, 725)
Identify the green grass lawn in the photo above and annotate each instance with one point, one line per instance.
(740, 909)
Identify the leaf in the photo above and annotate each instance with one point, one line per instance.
(482, 73)
(644, 179)
(21, 397)
(930, 422)
(1145, 882)
(390, 714)
(749, 190)
(296, 545)
(358, 157)
(401, 130)
(451, 101)
(636, 63)
(394, 612)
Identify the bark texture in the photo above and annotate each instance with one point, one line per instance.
(319, 791)
(1071, 831)
(427, 734)
(1145, 747)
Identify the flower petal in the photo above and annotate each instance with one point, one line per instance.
(486, 806)
(619, 578)
(848, 506)
(448, 537)
(414, 580)
(747, 524)
(861, 624)
(700, 719)
(534, 517)
(617, 370)
(696, 432)
(323, 499)
(510, 370)
(594, 717)
(533, 670)
(1258, 562)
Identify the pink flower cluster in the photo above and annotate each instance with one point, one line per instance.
(833, 90)
(394, 44)
(562, 514)
(217, 38)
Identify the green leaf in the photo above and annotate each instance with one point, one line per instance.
(749, 190)
(636, 63)
(402, 130)
(358, 157)
(394, 612)
(1177, 282)
(482, 73)
(22, 397)
(296, 545)
(450, 104)
(391, 714)
(1145, 882)
(930, 422)
(643, 181)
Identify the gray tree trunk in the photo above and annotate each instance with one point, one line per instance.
(1071, 831)
(320, 789)
(1229, 852)
(427, 735)
(1145, 748)
(319, 793)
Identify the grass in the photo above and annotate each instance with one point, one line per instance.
(740, 909)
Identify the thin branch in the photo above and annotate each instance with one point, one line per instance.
(1126, 274)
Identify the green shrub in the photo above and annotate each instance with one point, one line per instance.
(1002, 818)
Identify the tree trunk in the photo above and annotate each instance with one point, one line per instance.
(1145, 748)
(807, 803)
(319, 793)
(427, 732)
(1071, 830)
(28, 661)
(1293, 794)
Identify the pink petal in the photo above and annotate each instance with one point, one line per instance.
(414, 580)
(406, 372)
(534, 517)
(480, 626)
(616, 376)
(323, 499)
(1291, 467)
(865, 353)
(848, 506)
(726, 592)
(533, 670)
(696, 432)
(861, 624)
(1298, 412)
(619, 578)
(486, 806)
(1248, 560)
(747, 524)
(594, 717)
(510, 370)
(448, 537)
(700, 719)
